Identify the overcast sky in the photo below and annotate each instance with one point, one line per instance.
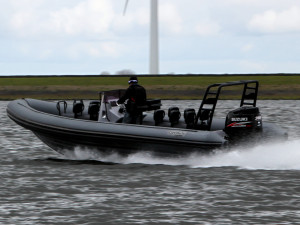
(196, 36)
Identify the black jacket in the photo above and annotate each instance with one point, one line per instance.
(136, 95)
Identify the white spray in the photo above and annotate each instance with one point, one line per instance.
(278, 156)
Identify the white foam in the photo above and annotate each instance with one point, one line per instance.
(279, 156)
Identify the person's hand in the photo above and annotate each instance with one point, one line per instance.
(122, 108)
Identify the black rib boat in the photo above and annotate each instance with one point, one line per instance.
(98, 124)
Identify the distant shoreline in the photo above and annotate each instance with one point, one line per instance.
(272, 86)
(151, 75)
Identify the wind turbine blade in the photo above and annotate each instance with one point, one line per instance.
(125, 8)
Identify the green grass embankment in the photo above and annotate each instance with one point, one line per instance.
(165, 87)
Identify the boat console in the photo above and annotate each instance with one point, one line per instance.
(111, 111)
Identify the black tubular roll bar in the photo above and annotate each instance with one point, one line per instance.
(211, 96)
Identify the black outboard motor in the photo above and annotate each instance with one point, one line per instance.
(243, 121)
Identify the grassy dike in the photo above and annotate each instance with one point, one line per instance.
(284, 86)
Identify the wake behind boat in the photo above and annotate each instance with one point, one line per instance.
(98, 124)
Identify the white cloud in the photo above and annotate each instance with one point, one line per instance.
(95, 34)
(132, 20)
(112, 49)
(25, 4)
(85, 18)
(170, 18)
(251, 65)
(272, 21)
(92, 16)
(247, 47)
(94, 50)
(207, 28)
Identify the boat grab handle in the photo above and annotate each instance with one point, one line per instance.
(58, 106)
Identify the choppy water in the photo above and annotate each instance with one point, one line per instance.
(258, 185)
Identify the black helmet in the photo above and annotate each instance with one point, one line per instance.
(133, 79)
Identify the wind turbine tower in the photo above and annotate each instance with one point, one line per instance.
(154, 43)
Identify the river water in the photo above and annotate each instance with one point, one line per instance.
(255, 185)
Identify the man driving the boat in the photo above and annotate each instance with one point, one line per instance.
(136, 98)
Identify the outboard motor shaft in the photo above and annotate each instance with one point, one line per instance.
(243, 121)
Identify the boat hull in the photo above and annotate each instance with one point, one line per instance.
(64, 134)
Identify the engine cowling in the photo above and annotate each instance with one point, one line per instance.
(243, 120)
